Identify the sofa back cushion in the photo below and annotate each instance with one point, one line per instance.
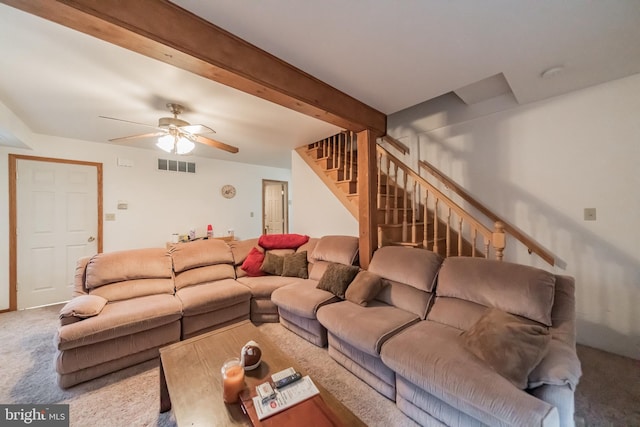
(135, 288)
(112, 267)
(517, 289)
(205, 274)
(340, 249)
(200, 253)
(240, 249)
(128, 274)
(409, 276)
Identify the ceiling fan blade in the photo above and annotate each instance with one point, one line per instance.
(144, 135)
(196, 129)
(216, 144)
(129, 121)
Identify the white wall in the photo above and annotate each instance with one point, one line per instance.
(317, 211)
(539, 165)
(160, 203)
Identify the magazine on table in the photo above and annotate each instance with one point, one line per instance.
(285, 397)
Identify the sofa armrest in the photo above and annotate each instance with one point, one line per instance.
(560, 366)
(81, 307)
(79, 287)
(560, 396)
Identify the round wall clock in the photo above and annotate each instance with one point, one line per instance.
(228, 191)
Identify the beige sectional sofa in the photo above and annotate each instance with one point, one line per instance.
(128, 304)
(426, 336)
(429, 340)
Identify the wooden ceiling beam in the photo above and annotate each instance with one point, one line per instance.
(162, 30)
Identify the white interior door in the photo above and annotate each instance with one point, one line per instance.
(275, 199)
(57, 223)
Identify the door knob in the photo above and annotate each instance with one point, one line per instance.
(91, 239)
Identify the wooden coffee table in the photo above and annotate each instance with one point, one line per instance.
(191, 385)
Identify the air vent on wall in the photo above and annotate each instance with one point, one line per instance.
(176, 166)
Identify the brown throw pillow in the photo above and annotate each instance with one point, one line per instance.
(295, 265)
(272, 264)
(364, 288)
(511, 345)
(337, 278)
(81, 307)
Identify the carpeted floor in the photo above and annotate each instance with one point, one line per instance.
(608, 393)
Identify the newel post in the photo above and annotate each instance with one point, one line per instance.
(498, 240)
(367, 188)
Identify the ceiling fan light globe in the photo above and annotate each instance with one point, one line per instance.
(184, 146)
(165, 143)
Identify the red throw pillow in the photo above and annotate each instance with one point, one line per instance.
(282, 241)
(252, 263)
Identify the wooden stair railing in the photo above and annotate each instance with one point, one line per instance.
(436, 222)
(411, 211)
(532, 246)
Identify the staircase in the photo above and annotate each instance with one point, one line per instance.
(411, 211)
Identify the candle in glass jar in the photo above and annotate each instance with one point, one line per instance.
(232, 380)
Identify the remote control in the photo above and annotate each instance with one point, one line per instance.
(287, 380)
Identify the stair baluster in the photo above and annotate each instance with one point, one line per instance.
(459, 236)
(435, 225)
(425, 240)
(448, 235)
(395, 193)
(404, 208)
(414, 214)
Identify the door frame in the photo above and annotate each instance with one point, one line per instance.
(285, 202)
(13, 216)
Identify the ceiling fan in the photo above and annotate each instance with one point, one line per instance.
(176, 135)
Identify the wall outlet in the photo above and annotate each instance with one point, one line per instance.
(110, 217)
(589, 214)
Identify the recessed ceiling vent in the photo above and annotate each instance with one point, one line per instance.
(176, 166)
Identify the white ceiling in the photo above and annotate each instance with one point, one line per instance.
(389, 55)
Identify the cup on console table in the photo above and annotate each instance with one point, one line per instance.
(232, 380)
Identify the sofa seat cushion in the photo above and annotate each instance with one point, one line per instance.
(302, 298)
(212, 296)
(121, 318)
(433, 357)
(263, 286)
(366, 328)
